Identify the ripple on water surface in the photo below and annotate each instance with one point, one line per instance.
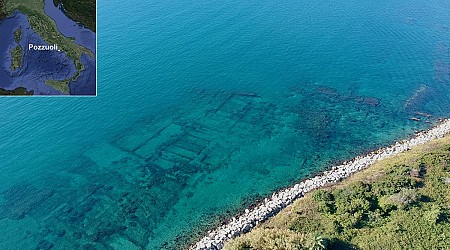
(215, 105)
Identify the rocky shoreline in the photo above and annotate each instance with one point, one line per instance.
(270, 206)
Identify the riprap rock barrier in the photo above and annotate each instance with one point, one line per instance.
(244, 223)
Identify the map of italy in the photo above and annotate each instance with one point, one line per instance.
(48, 47)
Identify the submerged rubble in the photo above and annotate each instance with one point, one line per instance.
(149, 186)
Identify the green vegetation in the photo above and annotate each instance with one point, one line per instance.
(83, 11)
(16, 57)
(46, 28)
(400, 203)
(18, 35)
(2, 9)
(17, 91)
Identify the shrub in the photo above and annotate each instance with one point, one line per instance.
(404, 198)
(356, 198)
(349, 221)
(320, 243)
(375, 216)
(325, 201)
(326, 207)
(393, 184)
(386, 204)
(322, 195)
(435, 214)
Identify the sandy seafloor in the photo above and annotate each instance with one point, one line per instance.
(204, 107)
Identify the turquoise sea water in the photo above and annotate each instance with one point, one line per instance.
(205, 106)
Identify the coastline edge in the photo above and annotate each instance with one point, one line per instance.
(215, 239)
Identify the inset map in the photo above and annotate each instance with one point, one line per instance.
(48, 47)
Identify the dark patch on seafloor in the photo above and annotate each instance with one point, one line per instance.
(90, 206)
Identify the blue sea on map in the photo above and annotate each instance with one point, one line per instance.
(205, 107)
(37, 67)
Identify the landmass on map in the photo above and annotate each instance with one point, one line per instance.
(17, 91)
(49, 47)
(83, 11)
(2, 9)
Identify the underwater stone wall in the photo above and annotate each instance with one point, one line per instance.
(271, 206)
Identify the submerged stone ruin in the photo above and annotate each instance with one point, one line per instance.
(171, 175)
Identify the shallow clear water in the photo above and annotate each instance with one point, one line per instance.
(204, 106)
